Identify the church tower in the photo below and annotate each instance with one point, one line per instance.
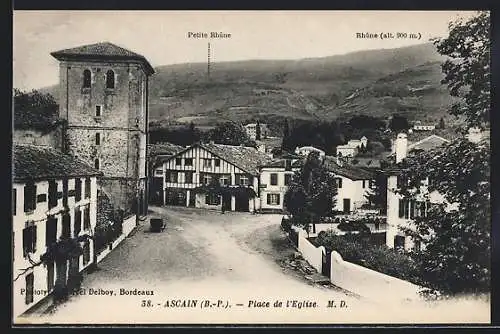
(104, 98)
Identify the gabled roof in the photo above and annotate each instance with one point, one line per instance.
(163, 149)
(245, 158)
(365, 162)
(428, 143)
(102, 50)
(32, 162)
(349, 171)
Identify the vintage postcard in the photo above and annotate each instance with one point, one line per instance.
(253, 167)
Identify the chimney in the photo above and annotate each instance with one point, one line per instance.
(401, 147)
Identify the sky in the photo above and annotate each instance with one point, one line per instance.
(162, 36)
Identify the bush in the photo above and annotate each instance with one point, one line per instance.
(358, 249)
(355, 226)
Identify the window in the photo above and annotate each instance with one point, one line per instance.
(178, 161)
(399, 242)
(364, 184)
(207, 179)
(30, 280)
(244, 180)
(14, 201)
(407, 208)
(52, 194)
(29, 197)
(274, 179)
(339, 182)
(98, 111)
(212, 199)
(273, 199)
(288, 164)
(417, 246)
(217, 162)
(96, 164)
(88, 185)
(50, 276)
(87, 78)
(288, 179)
(66, 227)
(172, 177)
(188, 162)
(86, 253)
(188, 177)
(29, 239)
(86, 218)
(225, 180)
(78, 222)
(51, 231)
(207, 163)
(65, 192)
(110, 79)
(98, 138)
(159, 172)
(78, 189)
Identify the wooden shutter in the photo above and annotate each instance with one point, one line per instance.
(26, 241)
(33, 238)
(401, 208)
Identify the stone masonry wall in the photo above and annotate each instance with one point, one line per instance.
(121, 124)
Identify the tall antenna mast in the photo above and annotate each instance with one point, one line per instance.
(208, 63)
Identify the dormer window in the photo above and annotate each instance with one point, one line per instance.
(87, 78)
(110, 79)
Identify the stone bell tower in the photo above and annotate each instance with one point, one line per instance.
(103, 95)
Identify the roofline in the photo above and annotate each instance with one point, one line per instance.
(202, 146)
(59, 177)
(425, 139)
(59, 56)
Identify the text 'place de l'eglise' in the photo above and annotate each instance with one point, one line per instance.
(85, 180)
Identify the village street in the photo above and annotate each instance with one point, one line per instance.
(201, 254)
(234, 260)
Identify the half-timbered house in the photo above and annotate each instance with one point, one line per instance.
(214, 176)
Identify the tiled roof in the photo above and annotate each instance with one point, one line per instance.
(164, 149)
(349, 171)
(101, 50)
(246, 158)
(428, 143)
(41, 163)
(365, 162)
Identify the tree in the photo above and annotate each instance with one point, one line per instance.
(34, 110)
(441, 123)
(377, 196)
(311, 193)
(399, 123)
(456, 253)
(467, 71)
(257, 130)
(229, 133)
(285, 143)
